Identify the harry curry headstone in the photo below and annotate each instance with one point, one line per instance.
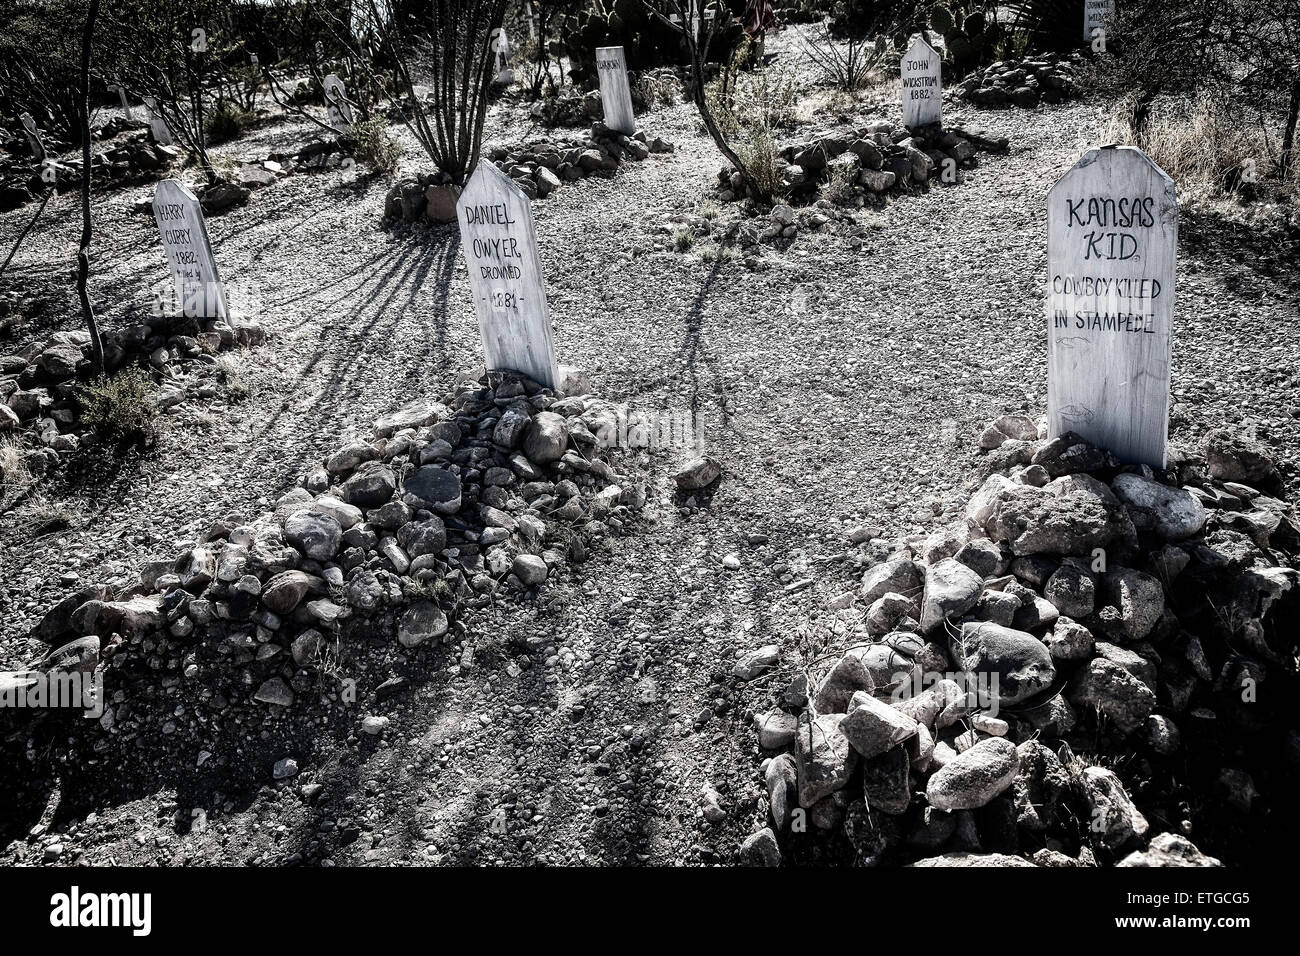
(199, 291)
(1112, 245)
(505, 276)
(921, 90)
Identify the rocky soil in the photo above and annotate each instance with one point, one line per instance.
(842, 384)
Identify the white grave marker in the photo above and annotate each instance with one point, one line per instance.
(1095, 15)
(337, 110)
(922, 84)
(189, 253)
(501, 55)
(117, 87)
(615, 94)
(157, 125)
(33, 137)
(1112, 244)
(505, 275)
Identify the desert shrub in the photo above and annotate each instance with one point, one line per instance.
(120, 407)
(226, 121)
(373, 146)
(1200, 141)
(840, 185)
(748, 107)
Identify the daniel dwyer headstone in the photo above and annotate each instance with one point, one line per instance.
(922, 84)
(505, 276)
(189, 253)
(615, 94)
(157, 125)
(1112, 245)
(1095, 15)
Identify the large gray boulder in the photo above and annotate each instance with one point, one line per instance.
(1172, 513)
(951, 589)
(1012, 665)
(823, 757)
(974, 777)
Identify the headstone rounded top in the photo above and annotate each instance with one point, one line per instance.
(1110, 157)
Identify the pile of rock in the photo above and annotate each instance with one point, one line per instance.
(492, 490)
(1041, 79)
(134, 158)
(1080, 616)
(538, 166)
(38, 384)
(858, 163)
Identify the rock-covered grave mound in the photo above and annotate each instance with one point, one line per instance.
(872, 159)
(538, 167)
(453, 504)
(1047, 78)
(1093, 665)
(39, 384)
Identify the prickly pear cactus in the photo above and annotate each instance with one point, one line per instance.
(970, 38)
(647, 41)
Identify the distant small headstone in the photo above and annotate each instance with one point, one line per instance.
(505, 274)
(1095, 15)
(189, 252)
(1112, 245)
(33, 136)
(120, 90)
(337, 110)
(615, 94)
(922, 84)
(501, 57)
(162, 135)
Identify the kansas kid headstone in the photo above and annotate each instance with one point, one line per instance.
(505, 275)
(1112, 245)
(1095, 15)
(615, 94)
(157, 125)
(337, 110)
(922, 84)
(189, 253)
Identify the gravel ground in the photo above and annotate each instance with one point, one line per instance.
(837, 386)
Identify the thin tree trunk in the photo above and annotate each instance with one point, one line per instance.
(83, 254)
(1288, 139)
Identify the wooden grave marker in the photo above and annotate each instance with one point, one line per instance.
(199, 291)
(505, 275)
(33, 137)
(1112, 247)
(615, 93)
(1095, 15)
(501, 57)
(921, 84)
(337, 111)
(162, 135)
